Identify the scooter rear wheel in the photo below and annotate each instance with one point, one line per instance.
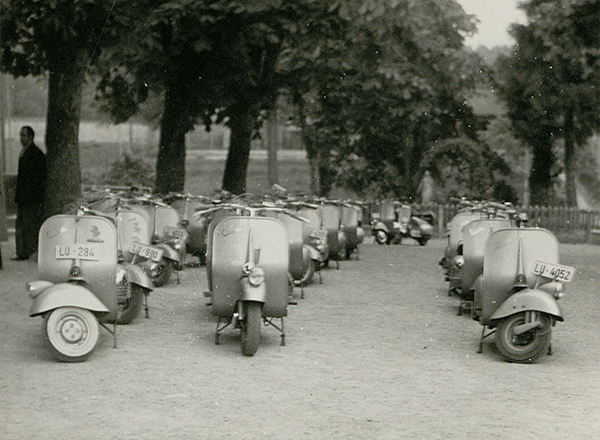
(526, 347)
(71, 333)
(250, 331)
(130, 308)
(163, 273)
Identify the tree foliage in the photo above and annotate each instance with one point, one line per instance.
(378, 94)
(61, 39)
(551, 84)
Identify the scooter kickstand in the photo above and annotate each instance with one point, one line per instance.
(480, 348)
(146, 305)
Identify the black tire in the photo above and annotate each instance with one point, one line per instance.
(71, 333)
(250, 331)
(163, 273)
(527, 347)
(130, 307)
(423, 241)
(307, 276)
(382, 237)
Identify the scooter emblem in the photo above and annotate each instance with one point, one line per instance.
(95, 235)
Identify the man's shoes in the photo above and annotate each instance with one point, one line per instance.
(19, 258)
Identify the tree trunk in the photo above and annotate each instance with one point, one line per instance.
(273, 141)
(236, 166)
(540, 178)
(170, 163)
(570, 165)
(65, 83)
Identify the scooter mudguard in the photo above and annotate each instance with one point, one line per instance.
(382, 226)
(360, 235)
(424, 229)
(306, 257)
(137, 275)
(528, 300)
(314, 253)
(66, 295)
(253, 293)
(168, 251)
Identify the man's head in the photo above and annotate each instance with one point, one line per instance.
(27, 134)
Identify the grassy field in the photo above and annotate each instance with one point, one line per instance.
(204, 168)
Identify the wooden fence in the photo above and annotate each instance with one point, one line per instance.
(568, 224)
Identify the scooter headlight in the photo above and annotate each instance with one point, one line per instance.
(256, 277)
(521, 280)
(248, 267)
(459, 261)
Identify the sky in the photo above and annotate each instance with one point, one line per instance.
(495, 16)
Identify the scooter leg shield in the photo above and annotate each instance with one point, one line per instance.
(528, 300)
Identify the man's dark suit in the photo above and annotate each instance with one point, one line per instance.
(29, 196)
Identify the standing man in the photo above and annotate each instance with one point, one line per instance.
(29, 195)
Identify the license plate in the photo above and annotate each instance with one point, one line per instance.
(145, 251)
(555, 271)
(77, 251)
(172, 231)
(316, 233)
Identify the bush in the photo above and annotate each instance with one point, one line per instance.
(129, 171)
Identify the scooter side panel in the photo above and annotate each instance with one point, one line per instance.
(165, 216)
(475, 234)
(455, 228)
(500, 263)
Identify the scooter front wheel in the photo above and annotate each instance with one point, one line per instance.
(250, 332)
(307, 276)
(382, 237)
(71, 333)
(525, 347)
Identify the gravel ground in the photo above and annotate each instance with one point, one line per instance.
(375, 352)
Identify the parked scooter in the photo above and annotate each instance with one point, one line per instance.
(196, 226)
(353, 232)
(166, 234)
(80, 284)
(331, 216)
(247, 271)
(452, 260)
(397, 221)
(475, 234)
(134, 253)
(315, 237)
(516, 296)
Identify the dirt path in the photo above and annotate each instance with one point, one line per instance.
(375, 352)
